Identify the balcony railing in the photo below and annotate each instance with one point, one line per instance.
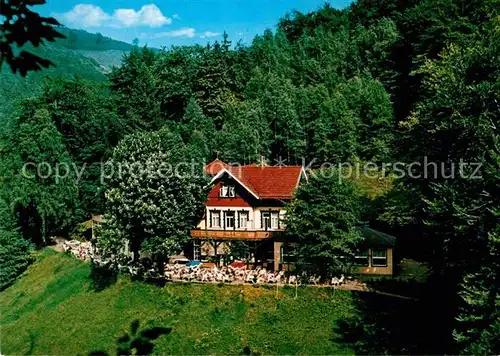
(234, 234)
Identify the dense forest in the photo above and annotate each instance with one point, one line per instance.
(380, 81)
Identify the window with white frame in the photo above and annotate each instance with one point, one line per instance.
(214, 218)
(361, 258)
(275, 220)
(227, 191)
(229, 222)
(266, 220)
(379, 257)
(243, 223)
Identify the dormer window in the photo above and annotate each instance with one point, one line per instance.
(227, 191)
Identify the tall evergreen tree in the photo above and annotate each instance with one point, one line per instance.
(43, 201)
(195, 120)
(479, 318)
(215, 80)
(14, 250)
(245, 136)
(272, 53)
(330, 124)
(135, 83)
(371, 105)
(456, 129)
(84, 114)
(326, 57)
(276, 99)
(176, 71)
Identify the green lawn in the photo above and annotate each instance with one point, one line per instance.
(53, 309)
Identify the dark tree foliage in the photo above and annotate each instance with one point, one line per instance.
(176, 70)
(21, 25)
(14, 250)
(270, 77)
(61, 139)
(457, 123)
(214, 82)
(85, 115)
(296, 24)
(137, 89)
(43, 201)
(323, 219)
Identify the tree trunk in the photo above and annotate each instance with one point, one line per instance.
(44, 230)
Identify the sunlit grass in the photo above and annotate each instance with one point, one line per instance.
(54, 310)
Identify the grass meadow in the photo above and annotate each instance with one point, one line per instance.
(55, 308)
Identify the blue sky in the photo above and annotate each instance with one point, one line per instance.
(177, 22)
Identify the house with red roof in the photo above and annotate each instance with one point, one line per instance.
(247, 205)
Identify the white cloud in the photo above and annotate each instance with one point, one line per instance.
(87, 15)
(183, 32)
(149, 15)
(209, 34)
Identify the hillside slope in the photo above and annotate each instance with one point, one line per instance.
(53, 309)
(83, 40)
(106, 51)
(80, 54)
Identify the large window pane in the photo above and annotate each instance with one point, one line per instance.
(266, 220)
(229, 219)
(243, 220)
(379, 257)
(274, 220)
(361, 258)
(215, 218)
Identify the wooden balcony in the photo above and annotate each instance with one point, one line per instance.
(235, 234)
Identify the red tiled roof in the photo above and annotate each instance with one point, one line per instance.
(268, 182)
(215, 167)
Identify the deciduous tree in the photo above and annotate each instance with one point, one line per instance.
(155, 199)
(20, 26)
(322, 218)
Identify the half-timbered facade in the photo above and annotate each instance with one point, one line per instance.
(246, 203)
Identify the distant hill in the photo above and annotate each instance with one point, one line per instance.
(80, 54)
(106, 51)
(83, 40)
